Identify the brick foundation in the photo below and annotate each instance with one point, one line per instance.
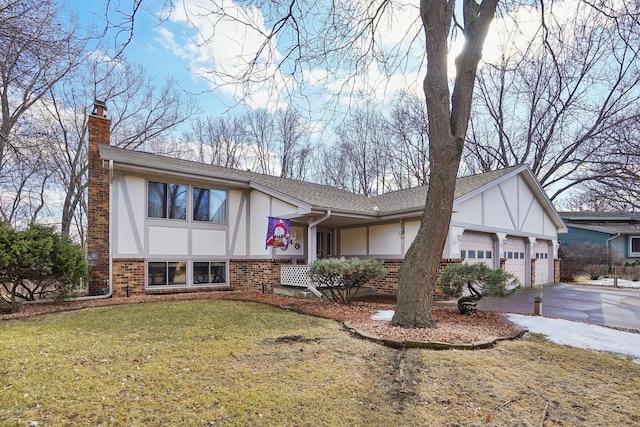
(252, 274)
(128, 276)
(389, 283)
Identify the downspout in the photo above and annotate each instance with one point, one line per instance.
(312, 254)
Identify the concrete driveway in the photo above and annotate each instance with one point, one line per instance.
(618, 307)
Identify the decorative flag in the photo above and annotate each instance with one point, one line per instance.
(278, 233)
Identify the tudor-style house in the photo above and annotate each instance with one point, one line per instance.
(160, 224)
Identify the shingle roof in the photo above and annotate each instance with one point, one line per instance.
(600, 216)
(608, 229)
(318, 196)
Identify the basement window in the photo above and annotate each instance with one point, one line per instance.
(209, 273)
(170, 273)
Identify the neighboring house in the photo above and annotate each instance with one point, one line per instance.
(145, 235)
(619, 231)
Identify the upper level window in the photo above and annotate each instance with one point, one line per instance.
(167, 200)
(209, 205)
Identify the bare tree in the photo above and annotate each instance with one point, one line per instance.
(409, 153)
(448, 115)
(292, 133)
(218, 141)
(359, 159)
(562, 104)
(37, 50)
(260, 136)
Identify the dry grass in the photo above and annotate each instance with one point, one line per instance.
(216, 362)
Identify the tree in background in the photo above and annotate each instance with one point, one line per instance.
(38, 49)
(566, 104)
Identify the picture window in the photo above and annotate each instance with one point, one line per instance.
(166, 200)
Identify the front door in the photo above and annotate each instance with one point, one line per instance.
(324, 243)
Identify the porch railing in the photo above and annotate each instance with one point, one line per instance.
(294, 275)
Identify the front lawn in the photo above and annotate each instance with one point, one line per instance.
(218, 362)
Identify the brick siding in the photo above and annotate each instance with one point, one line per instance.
(389, 283)
(252, 274)
(98, 206)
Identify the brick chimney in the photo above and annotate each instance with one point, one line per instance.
(98, 201)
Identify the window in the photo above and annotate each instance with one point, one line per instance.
(510, 255)
(480, 254)
(166, 200)
(634, 244)
(515, 255)
(209, 273)
(521, 255)
(209, 205)
(166, 273)
(487, 254)
(463, 254)
(472, 254)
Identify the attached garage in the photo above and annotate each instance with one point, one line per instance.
(515, 254)
(478, 247)
(543, 259)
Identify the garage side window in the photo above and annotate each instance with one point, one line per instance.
(635, 245)
(209, 205)
(166, 200)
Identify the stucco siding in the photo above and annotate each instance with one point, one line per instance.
(410, 232)
(208, 242)
(168, 241)
(385, 240)
(353, 241)
(260, 209)
(128, 226)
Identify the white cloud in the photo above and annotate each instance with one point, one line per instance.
(222, 41)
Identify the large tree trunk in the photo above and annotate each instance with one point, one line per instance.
(448, 121)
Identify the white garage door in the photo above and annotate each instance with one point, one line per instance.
(477, 247)
(514, 253)
(541, 254)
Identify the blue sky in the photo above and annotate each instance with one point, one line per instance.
(147, 49)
